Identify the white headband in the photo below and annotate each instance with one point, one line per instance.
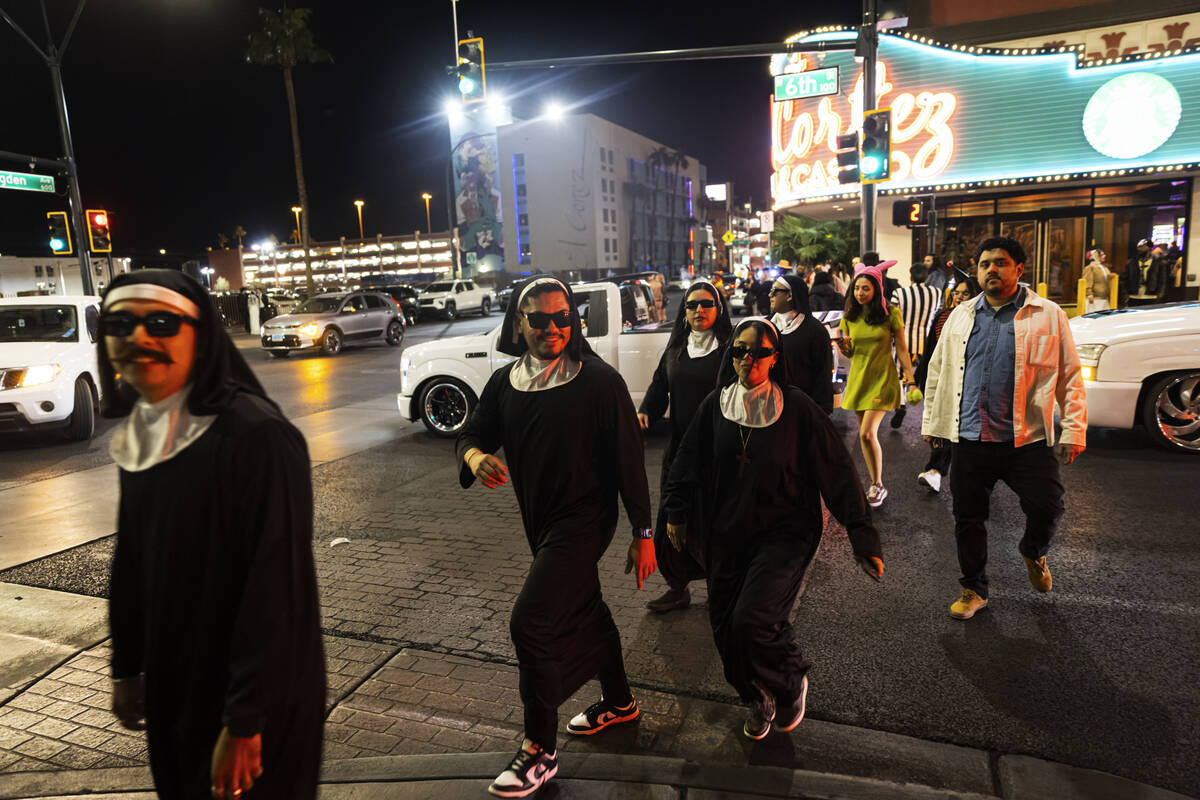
(152, 291)
(713, 290)
(782, 284)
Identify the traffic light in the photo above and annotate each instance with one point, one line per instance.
(847, 158)
(911, 212)
(875, 163)
(472, 83)
(60, 233)
(98, 234)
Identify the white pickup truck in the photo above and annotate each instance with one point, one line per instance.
(48, 373)
(441, 381)
(451, 298)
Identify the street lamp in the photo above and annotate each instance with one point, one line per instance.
(426, 196)
(207, 271)
(359, 204)
(296, 210)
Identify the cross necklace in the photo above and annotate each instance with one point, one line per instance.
(743, 459)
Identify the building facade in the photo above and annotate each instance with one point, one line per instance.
(49, 275)
(1054, 138)
(418, 258)
(586, 197)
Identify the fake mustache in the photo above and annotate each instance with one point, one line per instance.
(141, 352)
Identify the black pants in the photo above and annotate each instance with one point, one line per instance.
(564, 636)
(939, 456)
(1031, 472)
(752, 585)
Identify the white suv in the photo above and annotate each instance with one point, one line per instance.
(48, 375)
(451, 298)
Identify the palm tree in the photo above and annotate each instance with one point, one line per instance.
(676, 161)
(285, 41)
(655, 163)
(239, 233)
(222, 241)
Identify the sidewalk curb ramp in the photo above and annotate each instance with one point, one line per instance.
(601, 775)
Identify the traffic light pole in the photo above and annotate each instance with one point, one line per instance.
(869, 48)
(53, 59)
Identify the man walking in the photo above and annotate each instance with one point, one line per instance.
(1000, 365)
(573, 443)
(216, 635)
(1145, 275)
(918, 304)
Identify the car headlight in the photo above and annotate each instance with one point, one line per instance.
(42, 373)
(311, 330)
(1090, 351)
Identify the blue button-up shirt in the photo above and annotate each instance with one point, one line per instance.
(986, 408)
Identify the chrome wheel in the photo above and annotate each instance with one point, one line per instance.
(1172, 412)
(445, 405)
(331, 344)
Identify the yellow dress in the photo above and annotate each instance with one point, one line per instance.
(874, 382)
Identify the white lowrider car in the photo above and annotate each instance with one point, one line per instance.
(1141, 366)
(48, 375)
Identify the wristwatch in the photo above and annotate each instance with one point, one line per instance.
(643, 533)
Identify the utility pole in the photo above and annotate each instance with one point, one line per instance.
(52, 57)
(868, 49)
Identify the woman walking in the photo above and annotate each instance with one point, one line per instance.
(805, 340)
(1096, 281)
(765, 456)
(823, 295)
(938, 465)
(686, 374)
(870, 329)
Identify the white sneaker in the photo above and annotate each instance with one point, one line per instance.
(530, 768)
(931, 479)
(876, 495)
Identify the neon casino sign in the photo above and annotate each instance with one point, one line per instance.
(804, 143)
(961, 117)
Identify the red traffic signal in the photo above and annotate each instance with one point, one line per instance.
(99, 236)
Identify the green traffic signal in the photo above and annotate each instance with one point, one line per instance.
(875, 163)
(472, 81)
(57, 244)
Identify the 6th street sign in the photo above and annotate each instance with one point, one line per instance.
(26, 182)
(814, 83)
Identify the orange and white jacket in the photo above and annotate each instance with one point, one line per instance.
(1047, 372)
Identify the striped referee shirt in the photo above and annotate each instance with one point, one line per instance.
(918, 306)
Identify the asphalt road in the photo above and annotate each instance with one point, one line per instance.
(304, 383)
(1096, 674)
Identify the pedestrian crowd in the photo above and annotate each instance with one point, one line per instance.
(216, 639)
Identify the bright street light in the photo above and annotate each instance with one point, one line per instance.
(554, 111)
(162, 251)
(296, 210)
(359, 204)
(453, 109)
(426, 196)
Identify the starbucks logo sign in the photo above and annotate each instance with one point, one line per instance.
(1132, 115)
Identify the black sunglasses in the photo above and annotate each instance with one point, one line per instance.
(541, 320)
(158, 324)
(774, 292)
(692, 305)
(738, 351)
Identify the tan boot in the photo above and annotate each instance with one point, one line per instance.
(966, 605)
(1039, 573)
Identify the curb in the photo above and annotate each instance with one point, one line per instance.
(1021, 778)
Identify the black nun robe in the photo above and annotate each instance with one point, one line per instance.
(807, 349)
(682, 382)
(213, 595)
(764, 524)
(570, 451)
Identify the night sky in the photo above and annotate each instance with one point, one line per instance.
(180, 139)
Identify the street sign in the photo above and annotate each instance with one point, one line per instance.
(766, 221)
(814, 83)
(472, 257)
(26, 182)
(727, 237)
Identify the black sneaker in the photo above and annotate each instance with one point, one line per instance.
(599, 716)
(794, 714)
(672, 600)
(898, 417)
(530, 768)
(761, 716)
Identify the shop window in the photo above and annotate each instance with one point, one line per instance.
(1142, 194)
(975, 208)
(1024, 203)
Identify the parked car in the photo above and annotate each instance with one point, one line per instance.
(451, 298)
(1141, 366)
(440, 381)
(48, 374)
(407, 297)
(331, 321)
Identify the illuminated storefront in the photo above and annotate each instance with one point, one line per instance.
(1061, 152)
